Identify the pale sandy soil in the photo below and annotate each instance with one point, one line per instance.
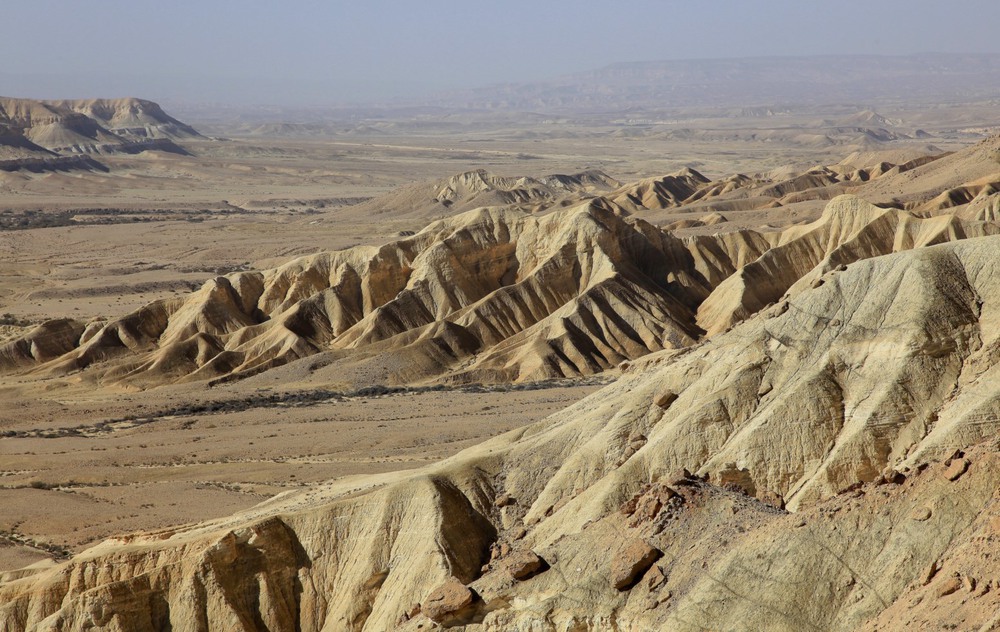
(71, 491)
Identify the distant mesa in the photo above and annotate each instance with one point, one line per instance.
(53, 135)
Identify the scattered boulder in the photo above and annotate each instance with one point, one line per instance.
(524, 564)
(655, 599)
(630, 565)
(499, 550)
(955, 470)
(948, 586)
(969, 582)
(646, 509)
(647, 503)
(663, 400)
(629, 507)
(635, 442)
(446, 599)
(503, 500)
(890, 477)
(680, 477)
(655, 578)
(931, 571)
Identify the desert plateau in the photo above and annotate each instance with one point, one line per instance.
(694, 345)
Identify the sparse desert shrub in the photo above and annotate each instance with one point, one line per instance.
(10, 319)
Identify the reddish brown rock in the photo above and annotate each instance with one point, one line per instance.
(646, 509)
(663, 400)
(955, 470)
(948, 586)
(524, 564)
(635, 560)
(629, 506)
(680, 477)
(655, 578)
(448, 598)
(499, 550)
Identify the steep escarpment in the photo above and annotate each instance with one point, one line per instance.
(130, 117)
(867, 406)
(37, 131)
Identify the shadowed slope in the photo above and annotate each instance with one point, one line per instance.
(849, 230)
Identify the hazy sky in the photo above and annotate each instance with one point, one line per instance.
(319, 52)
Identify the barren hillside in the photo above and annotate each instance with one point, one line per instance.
(839, 404)
(31, 129)
(568, 279)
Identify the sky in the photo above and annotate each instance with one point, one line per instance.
(306, 52)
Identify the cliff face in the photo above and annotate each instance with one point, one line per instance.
(37, 130)
(866, 404)
(131, 117)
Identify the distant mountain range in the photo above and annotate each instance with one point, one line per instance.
(930, 77)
